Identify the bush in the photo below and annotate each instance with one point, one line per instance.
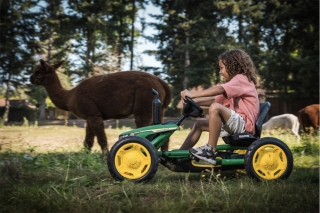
(17, 113)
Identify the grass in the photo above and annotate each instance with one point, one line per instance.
(45, 169)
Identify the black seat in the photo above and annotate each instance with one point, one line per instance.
(245, 139)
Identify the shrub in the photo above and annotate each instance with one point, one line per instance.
(17, 113)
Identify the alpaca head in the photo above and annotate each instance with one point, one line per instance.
(43, 70)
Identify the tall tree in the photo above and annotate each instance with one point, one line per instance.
(121, 31)
(89, 23)
(132, 33)
(18, 43)
(291, 61)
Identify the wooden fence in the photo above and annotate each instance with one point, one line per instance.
(279, 106)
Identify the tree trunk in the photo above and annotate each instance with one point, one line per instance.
(120, 46)
(86, 70)
(7, 106)
(187, 64)
(132, 33)
(42, 110)
(240, 29)
(285, 107)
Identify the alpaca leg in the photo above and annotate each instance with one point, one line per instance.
(295, 134)
(97, 127)
(295, 130)
(89, 139)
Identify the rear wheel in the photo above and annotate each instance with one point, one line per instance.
(133, 158)
(268, 159)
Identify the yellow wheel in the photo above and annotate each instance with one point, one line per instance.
(132, 161)
(133, 158)
(268, 159)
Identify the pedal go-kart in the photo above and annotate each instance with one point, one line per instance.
(135, 155)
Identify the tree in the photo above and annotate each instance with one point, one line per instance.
(121, 33)
(18, 44)
(88, 24)
(291, 61)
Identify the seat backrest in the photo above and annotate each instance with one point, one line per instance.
(264, 108)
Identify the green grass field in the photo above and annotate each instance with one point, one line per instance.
(45, 169)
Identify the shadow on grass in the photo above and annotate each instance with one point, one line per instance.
(80, 182)
(298, 175)
(55, 166)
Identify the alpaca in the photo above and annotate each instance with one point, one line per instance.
(113, 96)
(284, 121)
(309, 117)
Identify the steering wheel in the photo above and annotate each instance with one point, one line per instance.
(192, 102)
(192, 109)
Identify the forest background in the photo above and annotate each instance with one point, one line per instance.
(97, 37)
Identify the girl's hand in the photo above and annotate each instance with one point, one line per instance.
(185, 93)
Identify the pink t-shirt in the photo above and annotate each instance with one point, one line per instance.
(242, 97)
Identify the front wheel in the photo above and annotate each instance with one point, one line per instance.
(268, 159)
(133, 158)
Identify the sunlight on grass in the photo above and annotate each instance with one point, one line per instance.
(59, 138)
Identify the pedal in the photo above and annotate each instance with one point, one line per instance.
(203, 164)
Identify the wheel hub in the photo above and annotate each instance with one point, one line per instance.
(269, 163)
(133, 160)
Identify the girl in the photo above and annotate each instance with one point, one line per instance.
(234, 105)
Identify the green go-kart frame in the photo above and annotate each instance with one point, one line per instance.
(136, 155)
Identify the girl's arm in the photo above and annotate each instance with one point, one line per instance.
(204, 101)
(212, 91)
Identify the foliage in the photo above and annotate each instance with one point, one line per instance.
(309, 145)
(18, 113)
(18, 41)
(282, 36)
(102, 26)
(18, 44)
(291, 60)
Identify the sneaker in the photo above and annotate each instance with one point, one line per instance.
(204, 153)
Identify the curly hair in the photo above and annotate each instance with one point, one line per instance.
(239, 62)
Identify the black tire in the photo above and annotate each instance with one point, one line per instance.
(133, 158)
(268, 159)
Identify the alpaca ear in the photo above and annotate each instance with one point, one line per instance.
(43, 63)
(56, 66)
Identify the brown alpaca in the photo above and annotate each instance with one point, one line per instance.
(113, 96)
(309, 117)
